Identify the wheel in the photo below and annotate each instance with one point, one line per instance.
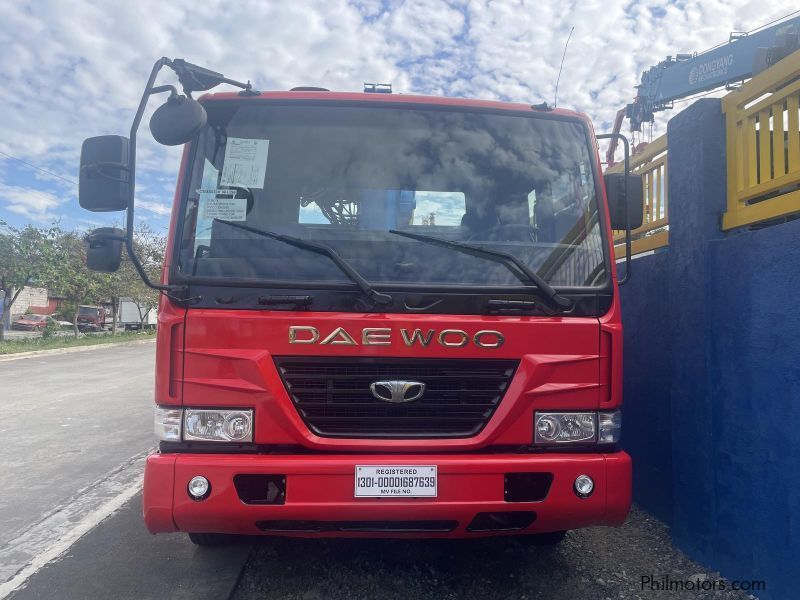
(551, 538)
(212, 540)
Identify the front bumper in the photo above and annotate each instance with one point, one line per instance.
(319, 488)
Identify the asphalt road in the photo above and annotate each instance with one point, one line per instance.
(600, 563)
(75, 431)
(69, 419)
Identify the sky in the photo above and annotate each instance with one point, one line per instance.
(72, 69)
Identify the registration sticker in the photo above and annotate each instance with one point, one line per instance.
(396, 481)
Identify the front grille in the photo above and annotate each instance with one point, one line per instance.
(333, 395)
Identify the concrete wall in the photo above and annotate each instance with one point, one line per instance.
(28, 298)
(647, 426)
(722, 368)
(754, 395)
(31, 298)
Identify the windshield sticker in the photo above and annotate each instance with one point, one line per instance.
(216, 192)
(245, 163)
(225, 208)
(207, 193)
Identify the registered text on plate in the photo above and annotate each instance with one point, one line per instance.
(396, 481)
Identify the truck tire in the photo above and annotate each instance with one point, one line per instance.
(213, 540)
(551, 538)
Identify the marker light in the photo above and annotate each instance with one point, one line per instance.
(168, 424)
(199, 488)
(609, 426)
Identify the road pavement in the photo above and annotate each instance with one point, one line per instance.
(119, 559)
(68, 420)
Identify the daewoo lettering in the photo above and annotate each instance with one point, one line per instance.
(383, 336)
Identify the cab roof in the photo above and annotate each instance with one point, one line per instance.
(391, 99)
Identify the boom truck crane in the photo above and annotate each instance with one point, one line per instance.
(743, 56)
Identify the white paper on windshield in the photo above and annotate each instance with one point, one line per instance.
(206, 194)
(245, 163)
(225, 208)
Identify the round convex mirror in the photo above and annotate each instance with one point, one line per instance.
(177, 121)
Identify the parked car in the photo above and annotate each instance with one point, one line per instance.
(30, 322)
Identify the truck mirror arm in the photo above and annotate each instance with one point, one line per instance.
(627, 150)
(188, 75)
(149, 90)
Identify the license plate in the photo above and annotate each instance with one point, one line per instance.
(396, 481)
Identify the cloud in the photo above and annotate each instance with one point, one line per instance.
(154, 207)
(30, 203)
(80, 67)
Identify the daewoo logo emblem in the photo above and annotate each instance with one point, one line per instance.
(397, 391)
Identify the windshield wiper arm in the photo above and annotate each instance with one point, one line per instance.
(520, 270)
(325, 250)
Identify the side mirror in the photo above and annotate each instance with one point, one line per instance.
(619, 202)
(104, 176)
(177, 121)
(104, 249)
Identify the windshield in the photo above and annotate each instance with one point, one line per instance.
(347, 176)
(87, 311)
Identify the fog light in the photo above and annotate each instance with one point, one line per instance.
(199, 488)
(584, 486)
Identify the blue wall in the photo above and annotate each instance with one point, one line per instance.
(712, 348)
(754, 385)
(647, 425)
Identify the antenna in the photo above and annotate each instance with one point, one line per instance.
(555, 100)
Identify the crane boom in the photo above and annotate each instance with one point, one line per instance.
(742, 57)
(681, 76)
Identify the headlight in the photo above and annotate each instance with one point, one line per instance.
(609, 426)
(204, 425)
(168, 424)
(564, 427)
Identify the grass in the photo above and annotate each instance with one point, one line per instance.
(28, 344)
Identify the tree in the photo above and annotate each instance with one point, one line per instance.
(114, 286)
(68, 275)
(149, 248)
(126, 283)
(24, 254)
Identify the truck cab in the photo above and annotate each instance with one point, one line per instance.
(398, 316)
(92, 318)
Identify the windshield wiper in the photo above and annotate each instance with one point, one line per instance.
(518, 268)
(325, 250)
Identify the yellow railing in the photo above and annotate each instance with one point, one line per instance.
(651, 164)
(763, 146)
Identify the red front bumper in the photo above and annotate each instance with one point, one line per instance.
(320, 488)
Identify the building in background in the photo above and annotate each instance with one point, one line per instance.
(34, 300)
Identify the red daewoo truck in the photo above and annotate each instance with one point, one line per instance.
(382, 315)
